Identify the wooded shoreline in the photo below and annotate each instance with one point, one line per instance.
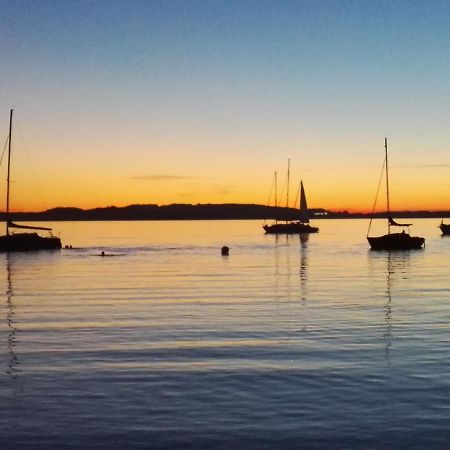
(228, 211)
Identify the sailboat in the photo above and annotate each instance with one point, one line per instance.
(393, 241)
(445, 227)
(294, 227)
(22, 242)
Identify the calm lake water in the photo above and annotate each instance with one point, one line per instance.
(284, 344)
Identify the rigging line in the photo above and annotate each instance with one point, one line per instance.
(271, 191)
(38, 191)
(376, 196)
(4, 150)
(284, 188)
(272, 188)
(297, 195)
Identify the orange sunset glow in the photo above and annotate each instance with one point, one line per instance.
(46, 175)
(225, 224)
(189, 114)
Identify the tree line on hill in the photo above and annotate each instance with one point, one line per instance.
(229, 211)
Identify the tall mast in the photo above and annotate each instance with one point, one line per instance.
(276, 195)
(287, 187)
(9, 169)
(387, 186)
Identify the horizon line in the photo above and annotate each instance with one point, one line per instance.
(343, 211)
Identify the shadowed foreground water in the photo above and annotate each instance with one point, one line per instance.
(164, 343)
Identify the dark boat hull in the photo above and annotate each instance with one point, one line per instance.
(26, 242)
(290, 228)
(396, 241)
(445, 228)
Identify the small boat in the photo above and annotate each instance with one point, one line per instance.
(301, 226)
(294, 227)
(393, 241)
(22, 242)
(445, 228)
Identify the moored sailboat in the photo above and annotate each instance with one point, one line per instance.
(294, 227)
(300, 226)
(393, 241)
(22, 242)
(445, 228)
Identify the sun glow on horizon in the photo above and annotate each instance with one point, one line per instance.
(85, 180)
(165, 102)
(352, 194)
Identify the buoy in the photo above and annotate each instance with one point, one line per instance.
(225, 250)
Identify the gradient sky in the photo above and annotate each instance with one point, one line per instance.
(122, 102)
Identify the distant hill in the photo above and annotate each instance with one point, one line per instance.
(166, 212)
(227, 211)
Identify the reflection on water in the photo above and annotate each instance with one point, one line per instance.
(394, 266)
(290, 278)
(13, 369)
(304, 266)
(287, 343)
(388, 307)
(303, 272)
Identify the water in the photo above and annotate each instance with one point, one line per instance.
(164, 343)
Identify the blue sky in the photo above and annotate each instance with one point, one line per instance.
(219, 93)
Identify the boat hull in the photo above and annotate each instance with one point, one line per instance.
(27, 242)
(396, 241)
(445, 228)
(290, 228)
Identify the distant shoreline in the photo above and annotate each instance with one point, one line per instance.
(228, 211)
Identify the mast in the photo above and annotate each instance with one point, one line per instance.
(287, 187)
(276, 195)
(9, 169)
(387, 186)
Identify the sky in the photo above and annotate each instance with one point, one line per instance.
(127, 102)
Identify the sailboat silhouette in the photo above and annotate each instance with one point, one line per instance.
(393, 241)
(301, 226)
(13, 242)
